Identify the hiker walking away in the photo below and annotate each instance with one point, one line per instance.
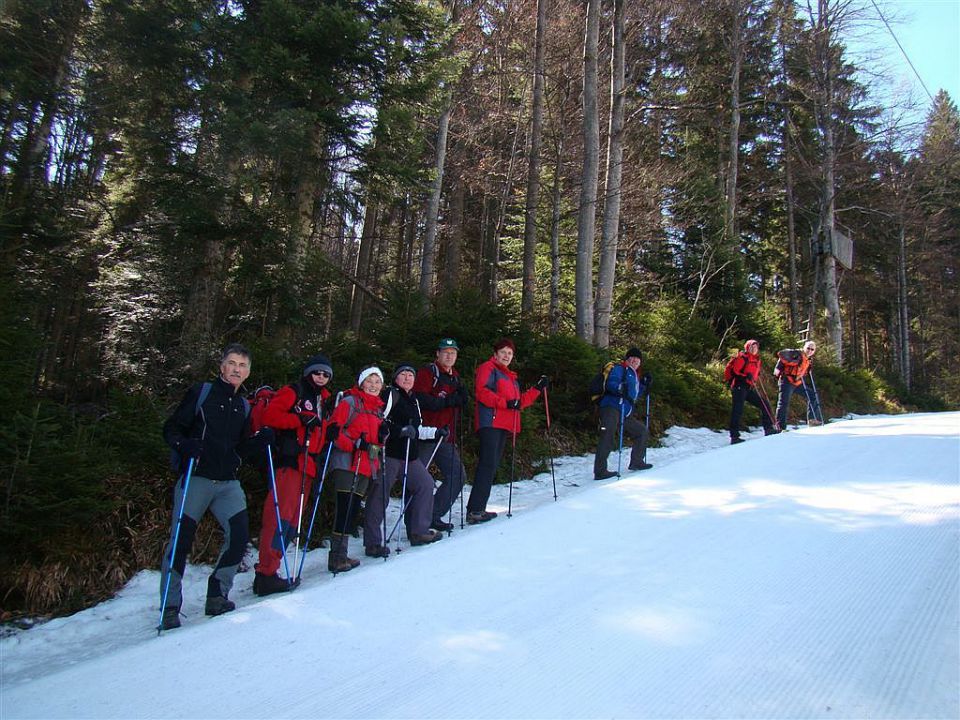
(497, 417)
(621, 390)
(356, 428)
(211, 426)
(404, 431)
(742, 372)
(792, 366)
(297, 415)
(442, 397)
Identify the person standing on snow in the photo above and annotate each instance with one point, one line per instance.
(404, 430)
(355, 430)
(211, 425)
(622, 389)
(442, 397)
(296, 414)
(792, 366)
(497, 416)
(744, 369)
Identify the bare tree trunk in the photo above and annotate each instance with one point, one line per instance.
(731, 231)
(533, 168)
(586, 220)
(454, 238)
(427, 261)
(606, 273)
(786, 23)
(364, 253)
(555, 238)
(905, 360)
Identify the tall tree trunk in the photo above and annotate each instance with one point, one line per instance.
(453, 249)
(786, 25)
(586, 220)
(905, 360)
(555, 236)
(606, 273)
(731, 230)
(428, 259)
(533, 168)
(364, 253)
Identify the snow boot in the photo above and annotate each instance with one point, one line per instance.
(641, 466)
(441, 526)
(605, 475)
(377, 551)
(217, 603)
(171, 618)
(337, 560)
(480, 516)
(430, 536)
(270, 584)
(736, 441)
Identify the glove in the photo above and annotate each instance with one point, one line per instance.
(543, 383)
(454, 399)
(190, 447)
(647, 378)
(265, 436)
(333, 431)
(513, 404)
(462, 394)
(776, 373)
(409, 432)
(441, 433)
(374, 452)
(383, 433)
(361, 444)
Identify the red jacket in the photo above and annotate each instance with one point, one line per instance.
(494, 385)
(284, 412)
(359, 416)
(434, 388)
(746, 367)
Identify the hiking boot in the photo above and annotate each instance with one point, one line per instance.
(337, 560)
(270, 584)
(736, 441)
(641, 466)
(771, 431)
(430, 536)
(218, 605)
(441, 526)
(813, 423)
(377, 551)
(480, 516)
(170, 619)
(605, 475)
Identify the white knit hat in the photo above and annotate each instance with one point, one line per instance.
(810, 345)
(367, 372)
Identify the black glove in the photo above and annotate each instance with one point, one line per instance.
(441, 433)
(513, 404)
(383, 433)
(190, 448)
(310, 419)
(454, 399)
(409, 432)
(361, 444)
(265, 436)
(462, 393)
(333, 431)
(543, 383)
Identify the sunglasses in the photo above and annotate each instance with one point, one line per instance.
(321, 373)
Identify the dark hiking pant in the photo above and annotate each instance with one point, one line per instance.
(227, 502)
(452, 475)
(741, 393)
(492, 443)
(783, 401)
(419, 501)
(609, 441)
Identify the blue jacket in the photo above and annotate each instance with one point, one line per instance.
(622, 384)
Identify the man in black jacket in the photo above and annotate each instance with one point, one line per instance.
(211, 425)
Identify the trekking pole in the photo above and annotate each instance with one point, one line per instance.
(276, 508)
(460, 469)
(433, 454)
(353, 491)
(303, 485)
(647, 423)
(313, 515)
(553, 476)
(620, 449)
(816, 394)
(765, 402)
(403, 497)
(513, 466)
(173, 548)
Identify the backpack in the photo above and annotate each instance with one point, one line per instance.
(176, 462)
(598, 383)
(286, 447)
(728, 370)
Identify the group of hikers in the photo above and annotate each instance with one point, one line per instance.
(365, 440)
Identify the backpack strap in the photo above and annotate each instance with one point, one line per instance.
(204, 394)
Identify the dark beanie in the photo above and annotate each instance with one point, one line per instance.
(502, 343)
(633, 352)
(318, 362)
(403, 367)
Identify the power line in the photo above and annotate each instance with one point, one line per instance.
(906, 57)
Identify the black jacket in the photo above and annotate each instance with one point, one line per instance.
(222, 423)
(405, 410)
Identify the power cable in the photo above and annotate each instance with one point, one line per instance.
(906, 57)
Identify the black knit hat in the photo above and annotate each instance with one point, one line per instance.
(403, 367)
(316, 364)
(633, 352)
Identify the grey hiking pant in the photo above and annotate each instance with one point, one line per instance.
(609, 441)
(451, 471)
(419, 498)
(227, 502)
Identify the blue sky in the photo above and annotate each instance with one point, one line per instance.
(929, 31)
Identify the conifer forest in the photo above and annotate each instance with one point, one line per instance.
(363, 177)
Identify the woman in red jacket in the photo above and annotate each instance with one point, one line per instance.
(745, 369)
(355, 433)
(498, 406)
(296, 413)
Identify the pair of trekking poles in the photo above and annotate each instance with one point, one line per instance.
(513, 459)
(814, 411)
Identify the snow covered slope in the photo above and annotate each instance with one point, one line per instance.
(810, 574)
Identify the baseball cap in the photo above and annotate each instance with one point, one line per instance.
(447, 343)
